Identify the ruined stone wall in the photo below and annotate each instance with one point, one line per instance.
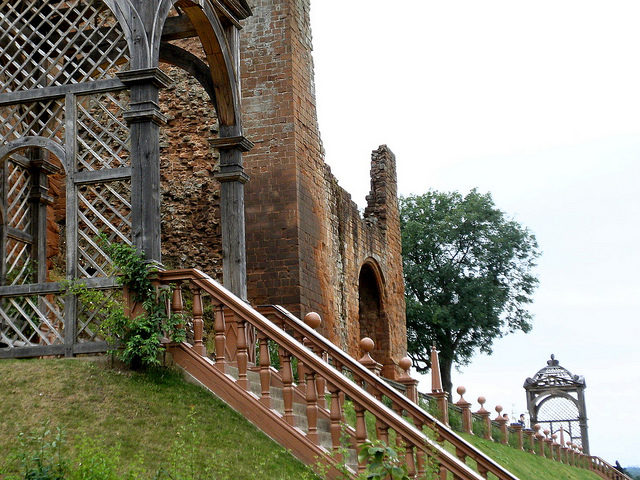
(306, 241)
(191, 234)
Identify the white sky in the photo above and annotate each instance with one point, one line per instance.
(538, 103)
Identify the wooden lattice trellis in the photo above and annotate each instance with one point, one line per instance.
(58, 66)
(79, 82)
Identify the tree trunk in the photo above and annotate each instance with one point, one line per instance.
(445, 374)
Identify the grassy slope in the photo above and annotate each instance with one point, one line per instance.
(527, 466)
(141, 413)
(144, 413)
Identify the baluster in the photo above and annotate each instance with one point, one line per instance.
(221, 338)
(483, 471)
(421, 457)
(361, 433)
(409, 459)
(265, 370)
(335, 416)
(198, 324)
(242, 356)
(302, 384)
(462, 457)
(312, 407)
(321, 384)
(486, 416)
(287, 385)
(177, 305)
(555, 451)
(313, 321)
(538, 437)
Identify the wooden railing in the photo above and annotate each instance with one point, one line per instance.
(235, 322)
(605, 470)
(381, 389)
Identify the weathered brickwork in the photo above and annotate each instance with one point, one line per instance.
(191, 235)
(308, 248)
(306, 240)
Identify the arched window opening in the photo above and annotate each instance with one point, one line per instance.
(372, 318)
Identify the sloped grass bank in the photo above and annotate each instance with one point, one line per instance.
(527, 466)
(151, 419)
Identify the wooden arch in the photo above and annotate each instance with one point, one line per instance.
(33, 141)
(143, 23)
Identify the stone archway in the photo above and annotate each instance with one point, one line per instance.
(372, 318)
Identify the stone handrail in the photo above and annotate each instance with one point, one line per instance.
(315, 371)
(380, 388)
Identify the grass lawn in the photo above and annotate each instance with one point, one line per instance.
(527, 466)
(145, 421)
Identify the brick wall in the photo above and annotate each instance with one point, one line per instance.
(306, 241)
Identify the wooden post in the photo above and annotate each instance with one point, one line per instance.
(467, 420)
(232, 179)
(242, 355)
(145, 119)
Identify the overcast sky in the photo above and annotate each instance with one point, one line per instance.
(539, 104)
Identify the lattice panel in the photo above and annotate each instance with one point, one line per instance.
(559, 412)
(91, 314)
(33, 320)
(102, 209)
(53, 42)
(103, 135)
(43, 119)
(19, 188)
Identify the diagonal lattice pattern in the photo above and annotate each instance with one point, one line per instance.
(103, 135)
(33, 320)
(43, 119)
(559, 412)
(103, 209)
(91, 314)
(19, 188)
(55, 42)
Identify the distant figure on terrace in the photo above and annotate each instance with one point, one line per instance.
(521, 420)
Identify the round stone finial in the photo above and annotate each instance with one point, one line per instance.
(405, 363)
(498, 409)
(546, 432)
(313, 320)
(482, 400)
(461, 390)
(537, 427)
(554, 436)
(366, 345)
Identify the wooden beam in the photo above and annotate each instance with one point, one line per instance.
(176, 28)
(102, 176)
(51, 93)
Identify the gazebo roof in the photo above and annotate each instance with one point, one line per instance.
(554, 375)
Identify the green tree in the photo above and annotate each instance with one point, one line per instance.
(468, 276)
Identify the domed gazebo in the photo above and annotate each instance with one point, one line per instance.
(556, 397)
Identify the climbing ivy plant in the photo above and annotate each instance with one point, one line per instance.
(136, 340)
